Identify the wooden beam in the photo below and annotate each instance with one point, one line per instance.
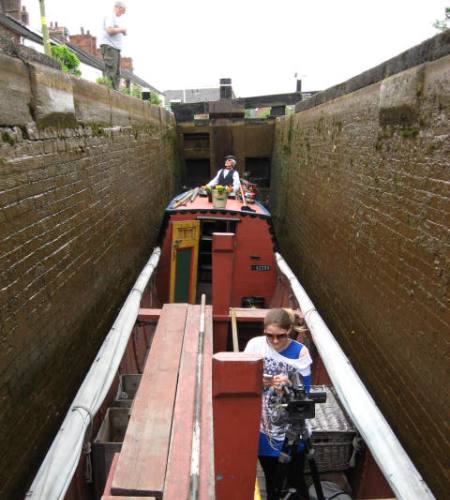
(141, 467)
(179, 461)
(146, 314)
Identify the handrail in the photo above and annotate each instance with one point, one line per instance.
(56, 471)
(392, 459)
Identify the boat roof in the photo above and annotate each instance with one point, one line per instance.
(201, 203)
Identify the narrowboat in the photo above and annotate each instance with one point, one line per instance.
(170, 408)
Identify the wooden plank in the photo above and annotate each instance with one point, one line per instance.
(141, 467)
(146, 314)
(246, 314)
(179, 463)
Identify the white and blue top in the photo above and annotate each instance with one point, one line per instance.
(287, 362)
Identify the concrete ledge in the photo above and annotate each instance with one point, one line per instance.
(15, 92)
(33, 92)
(136, 109)
(10, 48)
(399, 97)
(429, 50)
(92, 102)
(155, 113)
(436, 81)
(120, 114)
(52, 98)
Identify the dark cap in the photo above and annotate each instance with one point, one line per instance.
(230, 157)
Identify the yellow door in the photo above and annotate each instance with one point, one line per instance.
(184, 258)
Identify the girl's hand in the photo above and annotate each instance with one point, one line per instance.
(279, 381)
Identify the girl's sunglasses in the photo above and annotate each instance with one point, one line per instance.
(279, 336)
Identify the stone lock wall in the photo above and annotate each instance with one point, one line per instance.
(85, 174)
(361, 206)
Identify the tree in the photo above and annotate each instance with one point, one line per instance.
(442, 24)
(67, 59)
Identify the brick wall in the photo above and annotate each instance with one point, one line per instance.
(361, 203)
(80, 209)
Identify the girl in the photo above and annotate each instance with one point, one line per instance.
(283, 357)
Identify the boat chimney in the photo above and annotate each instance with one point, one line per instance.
(226, 90)
(299, 86)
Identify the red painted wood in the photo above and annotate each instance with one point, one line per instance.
(319, 372)
(142, 462)
(222, 278)
(202, 203)
(371, 482)
(107, 493)
(222, 271)
(107, 490)
(253, 238)
(179, 461)
(110, 497)
(244, 314)
(237, 387)
(139, 343)
(220, 335)
(147, 314)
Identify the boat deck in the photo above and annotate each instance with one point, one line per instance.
(233, 205)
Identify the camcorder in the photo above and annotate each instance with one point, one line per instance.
(299, 404)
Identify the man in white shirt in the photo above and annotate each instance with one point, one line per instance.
(227, 176)
(111, 41)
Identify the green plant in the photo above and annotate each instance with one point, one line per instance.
(155, 99)
(125, 91)
(103, 80)
(218, 188)
(134, 91)
(67, 59)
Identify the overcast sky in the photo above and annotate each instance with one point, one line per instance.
(259, 44)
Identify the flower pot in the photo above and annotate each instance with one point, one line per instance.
(219, 200)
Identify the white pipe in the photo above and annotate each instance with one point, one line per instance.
(399, 471)
(194, 482)
(56, 471)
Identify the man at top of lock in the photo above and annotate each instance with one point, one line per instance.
(227, 176)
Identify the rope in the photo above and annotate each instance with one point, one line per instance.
(86, 448)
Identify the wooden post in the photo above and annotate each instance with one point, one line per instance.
(222, 279)
(237, 388)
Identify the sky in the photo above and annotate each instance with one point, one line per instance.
(261, 45)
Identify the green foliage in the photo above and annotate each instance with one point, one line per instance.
(8, 138)
(133, 91)
(442, 24)
(155, 99)
(103, 80)
(409, 133)
(67, 59)
(220, 189)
